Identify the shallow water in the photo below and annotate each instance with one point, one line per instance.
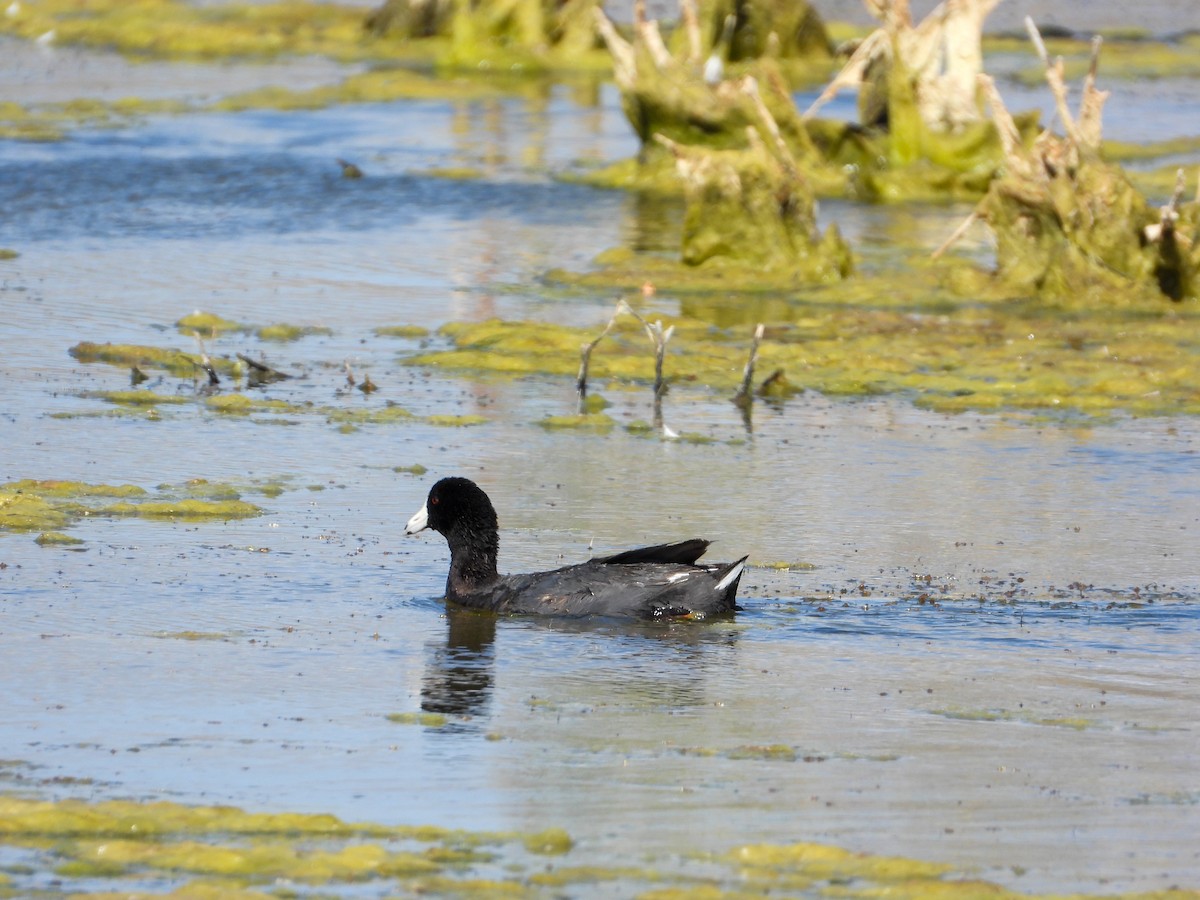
(984, 653)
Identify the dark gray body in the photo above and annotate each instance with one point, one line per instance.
(601, 587)
(651, 583)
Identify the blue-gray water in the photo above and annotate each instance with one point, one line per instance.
(1035, 725)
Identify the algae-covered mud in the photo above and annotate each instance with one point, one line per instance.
(227, 852)
(966, 661)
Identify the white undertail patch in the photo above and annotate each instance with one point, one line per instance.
(731, 576)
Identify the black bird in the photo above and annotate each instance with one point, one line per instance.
(657, 583)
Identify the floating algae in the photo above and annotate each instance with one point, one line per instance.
(1012, 356)
(488, 39)
(209, 324)
(1029, 717)
(176, 362)
(136, 398)
(49, 506)
(505, 35)
(401, 331)
(424, 719)
(598, 422)
(221, 851)
(241, 405)
(283, 333)
(184, 509)
(56, 539)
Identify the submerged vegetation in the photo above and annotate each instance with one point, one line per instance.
(944, 352)
(222, 851)
(205, 378)
(49, 506)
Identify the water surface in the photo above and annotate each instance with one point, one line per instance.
(983, 654)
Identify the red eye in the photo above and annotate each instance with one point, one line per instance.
(433, 501)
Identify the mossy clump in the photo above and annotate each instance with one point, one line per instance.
(889, 334)
(227, 852)
(388, 414)
(5, 253)
(74, 490)
(425, 719)
(192, 635)
(412, 332)
(523, 35)
(171, 29)
(50, 506)
(242, 405)
(599, 422)
(191, 509)
(207, 324)
(551, 842)
(1081, 237)
(415, 469)
(137, 398)
(754, 210)
(175, 362)
(56, 539)
(1076, 723)
(283, 333)
(21, 511)
(826, 862)
(452, 421)
(777, 752)
(527, 37)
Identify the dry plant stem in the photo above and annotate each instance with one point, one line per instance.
(1091, 108)
(205, 362)
(852, 73)
(957, 235)
(1164, 228)
(691, 25)
(585, 354)
(942, 51)
(350, 379)
(750, 89)
(263, 369)
(656, 334)
(1058, 87)
(660, 338)
(1006, 128)
(624, 58)
(744, 396)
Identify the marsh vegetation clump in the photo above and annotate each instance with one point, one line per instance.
(1069, 226)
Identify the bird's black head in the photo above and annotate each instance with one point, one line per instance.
(455, 502)
(458, 509)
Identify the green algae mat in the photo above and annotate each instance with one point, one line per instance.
(1017, 358)
(162, 849)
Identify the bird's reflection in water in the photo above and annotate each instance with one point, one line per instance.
(458, 676)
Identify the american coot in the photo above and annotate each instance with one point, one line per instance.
(656, 583)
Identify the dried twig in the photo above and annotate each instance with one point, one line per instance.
(206, 363)
(958, 233)
(750, 89)
(262, 371)
(659, 337)
(1058, 87)
(691, 25)
(745, 394)
(622, 52)
(585, 355)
